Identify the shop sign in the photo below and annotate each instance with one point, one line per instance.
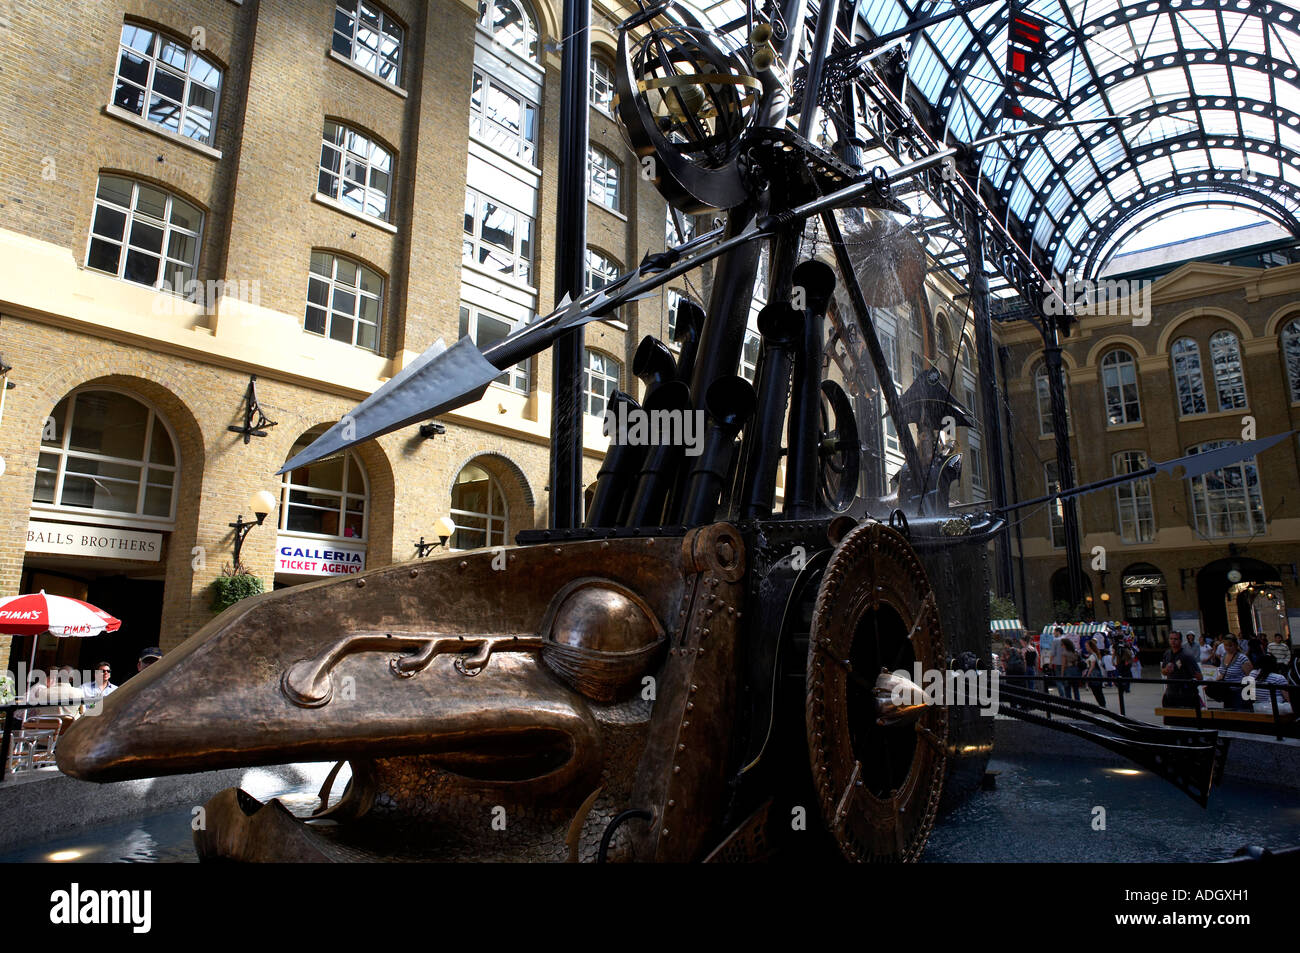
(301, 557)
(1143, 582)
(67, 539)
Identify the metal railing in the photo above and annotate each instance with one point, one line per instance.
(1282, 729)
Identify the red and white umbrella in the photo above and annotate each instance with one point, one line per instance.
(34, 613)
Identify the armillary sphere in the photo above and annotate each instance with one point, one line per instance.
(878, 769)
(839, 448)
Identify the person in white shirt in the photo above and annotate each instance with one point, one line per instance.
(101, 686)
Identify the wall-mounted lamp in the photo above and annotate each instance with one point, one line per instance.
(255, 421)
(261, 503)
(445, 529)
(432, 429)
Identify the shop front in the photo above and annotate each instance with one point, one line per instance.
(322, 526)
(1146, 606)
(103, 510)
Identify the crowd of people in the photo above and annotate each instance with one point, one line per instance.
(1110, 657)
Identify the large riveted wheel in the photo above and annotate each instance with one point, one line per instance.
(878, 786)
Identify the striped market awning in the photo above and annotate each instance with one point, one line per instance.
(1005, 625)
(1077, 628)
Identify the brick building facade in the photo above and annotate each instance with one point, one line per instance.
(1218, 361)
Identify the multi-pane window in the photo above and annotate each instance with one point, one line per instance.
(749, 355)
(603, 179)
(344, 300)
(1291, 356)
(1225, 355)
(600, 375)
(143, 234)
(325, 498)
(511, 25)
(602, 84)
(502, 118)
(1043, 391)
(167, 83)
(369, 37)
(601, 271)
(478, 508)
(355, 170)
(1119, 380)
(497, 237)
(1227, 501)
(486, 329)
(1137, 517)
(103, 450)
(1188, 377)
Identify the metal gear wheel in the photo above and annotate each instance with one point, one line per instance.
(878, 785)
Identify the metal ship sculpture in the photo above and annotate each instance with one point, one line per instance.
(698, 673)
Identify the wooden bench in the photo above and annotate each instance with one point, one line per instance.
(1261, 722)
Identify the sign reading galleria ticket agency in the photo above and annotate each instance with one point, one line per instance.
(314, 557)
(68, 539)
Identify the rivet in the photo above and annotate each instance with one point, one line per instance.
(694, 688)
(681, 747)
(705, 633)
(604, 544)
(462, 564)
(686, 724)
(708, 613)
(665, 834)
(738, 614)
(677, 769)
(651, 542)
(690, 706)
(414, 573)
(361, 584)
(672, 803)
(558, 551)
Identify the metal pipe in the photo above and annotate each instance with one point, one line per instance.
(617, 472)
(730, 405)
(814, 282)
(780, 325)
(653, 364)
(663, 456)
(690, 319)
(565, 501)
(826, 12)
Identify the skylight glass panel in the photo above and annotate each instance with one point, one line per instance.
(1059, 201)
(884, 16)
(1257, 127)
(1252, 84)
(925, 72)
(1021, 198)
(1124, 184)
(1155, 36)
(1227, 158)
(1209, 80)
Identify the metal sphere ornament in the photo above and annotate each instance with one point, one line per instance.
(686, 100)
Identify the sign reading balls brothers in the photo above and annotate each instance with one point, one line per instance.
(306, 557)
(70, 540)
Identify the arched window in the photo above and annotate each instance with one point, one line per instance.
(167, 83)
(1043, 391)
(600, 378)
(1227, 501)
(105, 451)
(1225, 354)
(967, 355)
(344, 300)
(1291, 356)
(511, 25)
(497, 238)
(327, 498)
(143, 234)
(478, 508)
(355, 171)
(943, 339)
(1119, 379)
(369, 37)
(601, 270)
(1188, 378)
(602, 85)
